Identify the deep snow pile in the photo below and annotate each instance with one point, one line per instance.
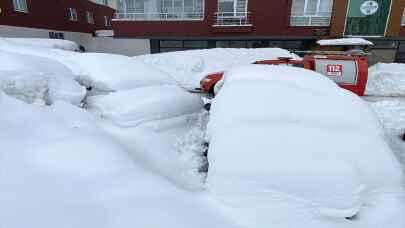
(163, 126)
(294, 148)
(41, 43)
(105, 72)
(391, 113)
(386, 79)
(60, 169)
(189, 67)
(137, 106)
(117, 72)
(344, 41)
(38, 80)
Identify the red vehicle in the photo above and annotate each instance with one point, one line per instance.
(349, 72)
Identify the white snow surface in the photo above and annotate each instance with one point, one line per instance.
(386, 79)
(117, 72)
(42, 43)
(189, 67)
(136, 106)
(391, 112)
(38, 80)
(344, 41)
(58, 168)
(288, 147)
(105, 72)
(131, 156)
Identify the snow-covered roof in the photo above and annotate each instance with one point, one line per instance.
(344, 41)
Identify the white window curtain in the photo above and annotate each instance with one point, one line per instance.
(20, 5)
(162, 9)
(311, 12)
(403, 19)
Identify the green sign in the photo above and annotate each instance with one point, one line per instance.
(367, 17)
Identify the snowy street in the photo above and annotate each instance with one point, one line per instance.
(110, 141)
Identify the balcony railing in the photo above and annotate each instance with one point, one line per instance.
(320, 19)
(232, 19)
(180, 16)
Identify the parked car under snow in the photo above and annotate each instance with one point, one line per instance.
(285, 140)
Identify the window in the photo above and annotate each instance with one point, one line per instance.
(107, 21)
(89, 17)
(20, 5)
(311, 12)
(403, 19)
(161, 10)
(56, 35)
(72, 14)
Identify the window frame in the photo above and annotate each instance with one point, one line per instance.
(317, 14)
(107, 21)
(18, 6)
(90, 17)
(72, 14)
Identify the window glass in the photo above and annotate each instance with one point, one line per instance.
(311, 12)
(226, 6)
(171, 43)
(196, 44)
(72, 14)
(20, 5)
(403, 19)
(89, 17)
(107, 21)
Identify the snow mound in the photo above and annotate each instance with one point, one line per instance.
(189, 67)
(69, 172)
(279, 130)
(43, 43)
(136, 106)
(344, 41)
(386, 79)
(38, 80)
(115, 72)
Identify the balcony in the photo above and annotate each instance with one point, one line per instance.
(232, 22)
(175, 16)
(232, 19)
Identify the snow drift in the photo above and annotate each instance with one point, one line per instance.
(41, 43)
(116, 72)
(60, 169)
(386, 79)
(189, 67)
(38, 80)
(284, 132)
(136, 106)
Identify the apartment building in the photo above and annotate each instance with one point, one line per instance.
(172, 25)
(86, 22)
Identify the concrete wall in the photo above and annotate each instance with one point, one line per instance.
(128, 47)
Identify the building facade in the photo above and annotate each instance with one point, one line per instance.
(77, 20)
(172, 25)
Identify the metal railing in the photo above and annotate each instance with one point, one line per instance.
(173, 16)
(320, 19)
(232, 19)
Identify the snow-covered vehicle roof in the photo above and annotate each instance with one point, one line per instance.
(345, 41)
(285, 138)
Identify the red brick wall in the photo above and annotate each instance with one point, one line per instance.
(269, 18)
(53, 14)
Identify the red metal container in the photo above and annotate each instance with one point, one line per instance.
(349, 72)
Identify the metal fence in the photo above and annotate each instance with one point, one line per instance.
(174, 16)
(232, 19)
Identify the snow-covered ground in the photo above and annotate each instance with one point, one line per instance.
(127, 152)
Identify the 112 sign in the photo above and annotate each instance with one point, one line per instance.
(334, 70)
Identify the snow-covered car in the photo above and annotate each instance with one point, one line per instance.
(300, 145)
